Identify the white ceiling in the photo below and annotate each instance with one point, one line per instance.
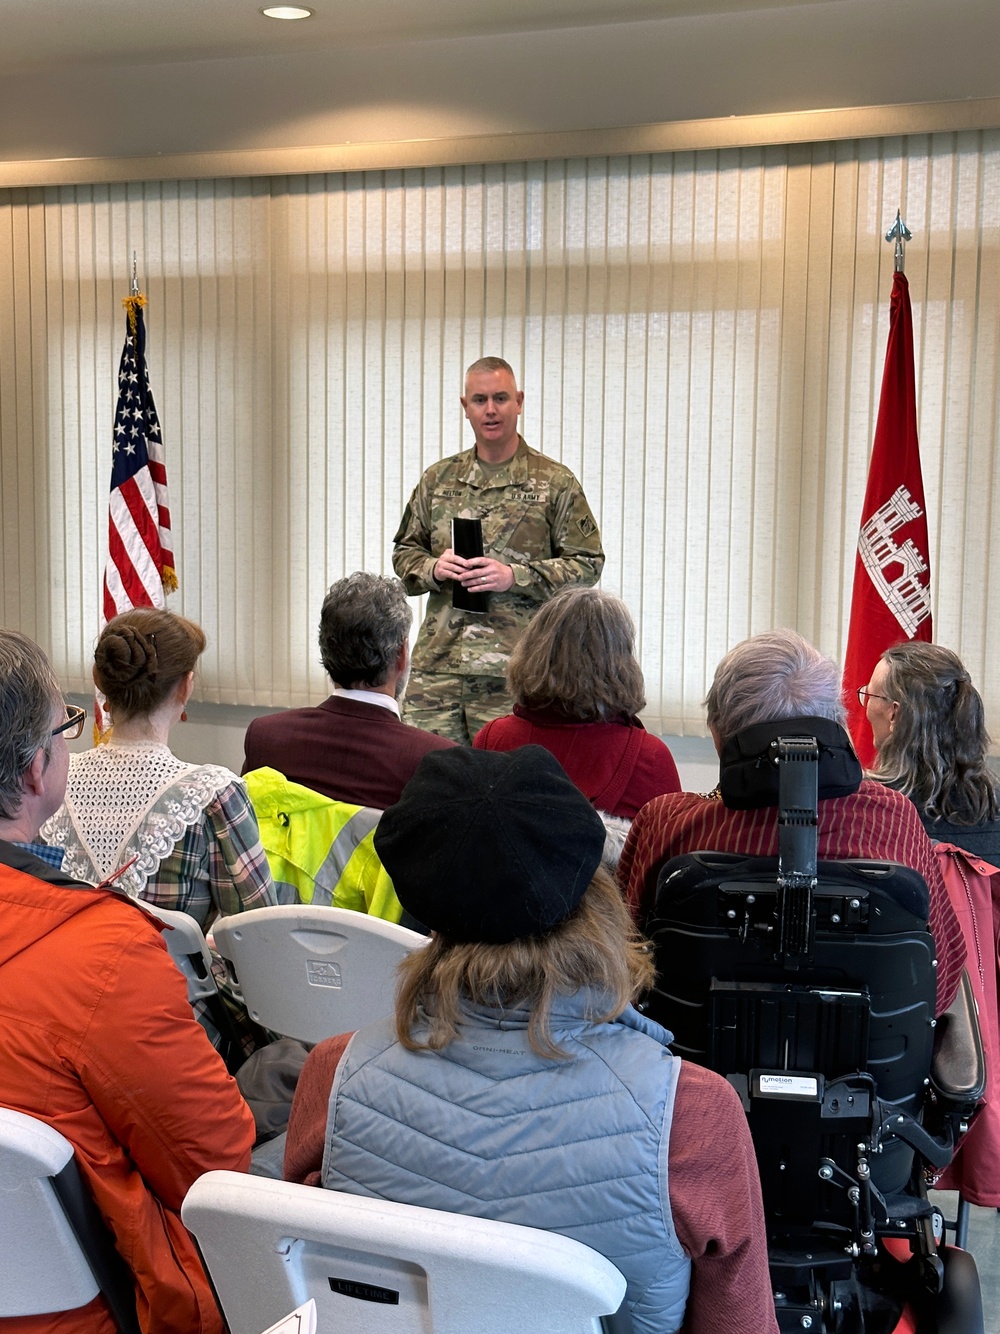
(53, 32)
(120, 79)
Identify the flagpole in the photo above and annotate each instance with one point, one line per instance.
(899, 232)
(140, 567)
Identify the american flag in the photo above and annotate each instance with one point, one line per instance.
(140, 568)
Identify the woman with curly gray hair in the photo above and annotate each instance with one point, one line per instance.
(929, 729)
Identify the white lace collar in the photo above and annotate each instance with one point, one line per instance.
(129, 800)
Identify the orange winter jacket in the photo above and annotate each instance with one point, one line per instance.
(97, 1038)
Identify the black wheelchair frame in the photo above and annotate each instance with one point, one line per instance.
(810, 986)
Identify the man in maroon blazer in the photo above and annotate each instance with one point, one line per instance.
(352, 747)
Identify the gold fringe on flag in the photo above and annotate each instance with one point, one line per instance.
(132, 304)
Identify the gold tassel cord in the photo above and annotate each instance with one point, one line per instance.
(132, 304)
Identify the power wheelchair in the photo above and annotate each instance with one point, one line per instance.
(810, 986)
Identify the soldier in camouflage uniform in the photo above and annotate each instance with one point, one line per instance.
(539, 536)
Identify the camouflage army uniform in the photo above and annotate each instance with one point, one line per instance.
(536, 520)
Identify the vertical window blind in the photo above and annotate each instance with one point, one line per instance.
(699, 336)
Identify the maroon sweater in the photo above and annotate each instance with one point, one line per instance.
(873, 822)
(618, 765)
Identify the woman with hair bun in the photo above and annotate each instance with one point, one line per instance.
(929, 729)
(178, 835)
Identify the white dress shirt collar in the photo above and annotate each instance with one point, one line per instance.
(368, 697)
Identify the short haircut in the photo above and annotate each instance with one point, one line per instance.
(28, 693)
(140, 657)
(364, 623)
(936, 751)
(771, 677)
(598, 947)
(578, 654)
(491, 364)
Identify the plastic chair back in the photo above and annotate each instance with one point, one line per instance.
(188, 949)
(309, 972)
(374, 1266)
(56, 1253)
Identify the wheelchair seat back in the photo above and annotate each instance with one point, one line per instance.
(788, 1038)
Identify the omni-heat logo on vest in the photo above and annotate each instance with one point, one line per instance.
(906, 596)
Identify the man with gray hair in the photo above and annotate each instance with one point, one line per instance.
(778, 684)
(97, 1038)
(353, 747)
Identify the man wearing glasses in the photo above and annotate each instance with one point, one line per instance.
(43, 781)
(96, 1034)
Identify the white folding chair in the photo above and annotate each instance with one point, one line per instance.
(56, 1253)
(189, 951)
(310, 972)
(375, 1267)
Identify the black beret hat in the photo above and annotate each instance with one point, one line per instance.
(490, 846)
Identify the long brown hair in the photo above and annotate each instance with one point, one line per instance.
(936, 751)
(597, 946)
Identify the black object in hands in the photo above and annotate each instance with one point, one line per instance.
(467, 542)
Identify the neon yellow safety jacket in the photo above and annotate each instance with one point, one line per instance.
(322, 848)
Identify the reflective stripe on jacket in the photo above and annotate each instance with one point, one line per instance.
(323, 849)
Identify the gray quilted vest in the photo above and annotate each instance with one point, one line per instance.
(487, 1127)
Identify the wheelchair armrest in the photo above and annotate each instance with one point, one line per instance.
(958, 1064)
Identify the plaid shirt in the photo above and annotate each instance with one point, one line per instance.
(219, 866)
(874, 822)
(52, 856)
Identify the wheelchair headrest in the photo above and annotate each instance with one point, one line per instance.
(749, 762)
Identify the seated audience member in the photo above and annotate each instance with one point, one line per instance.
(929, 729)
(96, 1034)
(516, 1081)
(179, 835)
(577, 688)
(352, 747)
(777, 684)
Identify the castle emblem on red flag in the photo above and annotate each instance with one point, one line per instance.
(905, 595)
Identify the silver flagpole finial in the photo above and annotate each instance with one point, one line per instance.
(135, 280)
(898, 232)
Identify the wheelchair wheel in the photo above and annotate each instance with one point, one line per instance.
(960, 1303)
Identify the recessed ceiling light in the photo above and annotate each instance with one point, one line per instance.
(287, 12)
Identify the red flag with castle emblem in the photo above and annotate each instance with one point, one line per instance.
(891, 600)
